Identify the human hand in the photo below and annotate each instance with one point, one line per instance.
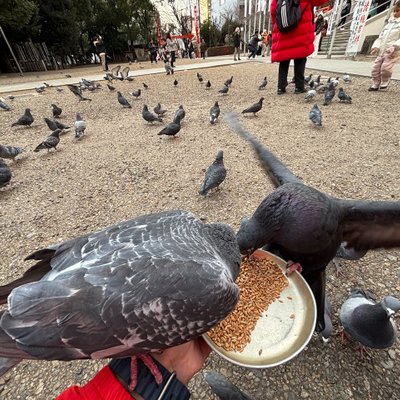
(390, 51)
(186, 359)
(374, 50)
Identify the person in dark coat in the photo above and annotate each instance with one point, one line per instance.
(101, 51)
(253, 45)
(344, 13)
(153, 52)
(295, 45)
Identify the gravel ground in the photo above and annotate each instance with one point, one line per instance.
(122, 169)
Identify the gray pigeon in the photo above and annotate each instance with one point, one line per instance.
(175, 83)
(158, 110)
(180, 113)
(172, 128)
(310, 95)
(224, 389)
(26, 119)
(214, 113)
(228, 82)
(10, 151)
(5, 174)
(369, 322)
(136, 93)
(123, 101)
(208, 85)
(255, 108)
(40, 89)
(114, 74)
(110, 87)
(224, 90)
(125, 74)
(263, 83)
(215, 174)
(329, 94)
(53, 125)
(50, 142)
(4, 106)
(346, 78)
(145, 86)
(78, 93)
(56, 111)
(344, 97)
(149, 116)
(142, 285)
(80, 126)
(315, 115)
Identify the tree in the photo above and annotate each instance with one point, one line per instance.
(16, 14)
(210, 32)
(183, 16)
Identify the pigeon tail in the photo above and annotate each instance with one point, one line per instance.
(224, 389)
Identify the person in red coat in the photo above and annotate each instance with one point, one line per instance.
(294, 45)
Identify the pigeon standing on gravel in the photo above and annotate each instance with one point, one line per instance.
(344, 97)
(263, 84)
(180, 112)
(224, 389)
(215, 174)
(368, 322)
(214, 113)
(53, 125)
(5, 174)
(142, 285)
(110, 87)
(200, 78)
(78, 93)
(158, 110)
(4, 106)
(136, 93)
(56, 111)
(315, 115)
(329, 94)
(224, 90)
(172, 128)
(40, 89)
(175, 83)
(346, 78)
(228, 82)
(208, 85)
(255, 108)
(25, 120)
(50, 142)
(310, 95)
(149, 116)
(145, 86)
(123, 101)
(80, 126)
(10, 151)
(307, 227)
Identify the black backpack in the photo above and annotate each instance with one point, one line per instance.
(288, 15)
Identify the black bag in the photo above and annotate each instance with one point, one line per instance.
(288, 15)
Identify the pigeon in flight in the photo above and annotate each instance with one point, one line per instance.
(315, 115)
(149, 116)
(263, 84)
(80, 126)
(208, 85)
(172, 128)
(56, 111)
(78, 93)
(142, 285)
(215, 174)
(224, 389)
(214, 113)
(123, 101)
(125, 74)
(368, 322)
(310, 95)
(329, 94)
(136, 93)
(307, 227)
(180, 113)
(255, 108)
(110, 87)
(224, 90)
(228, 82)
(344, 97)
(4, 106)
(5, 174)
(50, 142)
(10, 151)
(158, 110)
(114, 73)
(25, 120)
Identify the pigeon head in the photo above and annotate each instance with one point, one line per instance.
(78, 117)
(216, 104)
(261, 100)
(145, 108)
(248, 236)
(220, 157)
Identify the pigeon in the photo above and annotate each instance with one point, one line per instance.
(4, 106)
(346, 78)
(208, 85)
(369, 322)
(110, 87)
(310, 95)
(87, 83)
(343, 96)
(10, 151)
(149, 116)
(307, 227)
(59, 90)
(56, 111)
(158, 110)
(136, 93)
(175, 83)
(263, 83)
(145, 86)
(53, 125)
(123, 101)
(11, 97)
(180, 113)
(307, 79)
(142, 285)
(215, 174)
(224, 389)
(224, 90)
(329, 94)
(125, 74)
(169, 70)
(77, 92)
(25, 120)
(40, 89)
(315, 115)
(114, 73)
(200, 78)
(172, 128)
(68, 76)
(255, 108)
(46, 84)
(80, 126)
(5, 174)
(50, 142)
(228, 82)
(214, 113)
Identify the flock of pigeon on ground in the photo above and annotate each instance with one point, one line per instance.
(330, 228)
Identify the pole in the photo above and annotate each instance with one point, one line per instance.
(339, 10)
(11, 51)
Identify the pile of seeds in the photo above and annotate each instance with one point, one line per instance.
(261, 281)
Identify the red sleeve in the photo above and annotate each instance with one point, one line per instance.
(104, 386)
(318, 3)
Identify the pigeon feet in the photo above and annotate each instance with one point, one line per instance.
(292, 266)
(365, 353)
(149, 363)
(338, 267)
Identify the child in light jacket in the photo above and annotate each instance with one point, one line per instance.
(387, 49)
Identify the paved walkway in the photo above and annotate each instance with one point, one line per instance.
(333, 65)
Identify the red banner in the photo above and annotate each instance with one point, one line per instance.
(196, 21)
(158, 29)
(187, 36)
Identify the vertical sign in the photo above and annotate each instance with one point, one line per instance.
(332, 17)
(360, 15)
(245, 8)
(158, 29)
(196, 24)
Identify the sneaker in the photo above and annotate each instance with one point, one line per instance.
(299, 90)
(383, 87)
(281, 91)
(373, 89)
(239, 59)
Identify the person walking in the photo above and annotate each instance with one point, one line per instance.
(171, 48)
(203, 48)
(319, 25)
(264, 43)
(253, 45)
(236, 43)
(346, 8)
(153, 51)
(387, 49)
(295, 45)
(100, 47)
